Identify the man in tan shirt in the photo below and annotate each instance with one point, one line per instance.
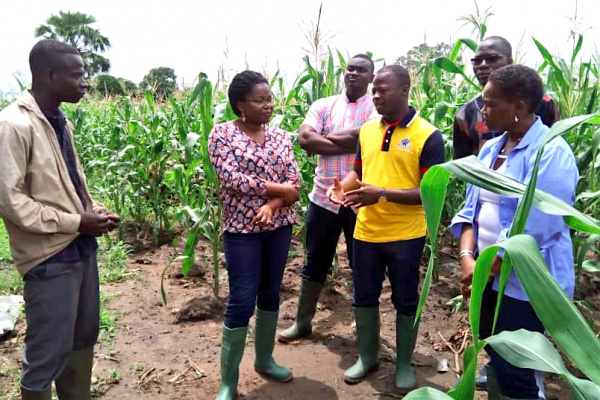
(52, 224)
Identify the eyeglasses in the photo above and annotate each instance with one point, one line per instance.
(491, 59)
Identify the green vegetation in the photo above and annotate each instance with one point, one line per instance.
(74, 28)
(108, 85)
(5, 257)
(107, 318)
(10, 280)
(146, 158)
(162, 81)
(112, 262)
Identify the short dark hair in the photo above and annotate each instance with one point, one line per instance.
(399, 71)
(369, 59)
(518, 82)
(504, 46)
(45, 54)
(241, 86)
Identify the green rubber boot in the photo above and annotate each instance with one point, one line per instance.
(27, 394)
(307, 306)
(493, 389)
(75, 381)
(264, 342)
(367, 334)
(406, 338)
(232, 350)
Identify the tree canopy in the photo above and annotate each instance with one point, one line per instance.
(74, 28)
(161, 80)
(422, 53)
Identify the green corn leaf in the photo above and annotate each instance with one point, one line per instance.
(470, 43)
(587, 245)
(481, 275)
(524, 207)
(585, 161)
(582, 389)
(558, 74)
(533, 350)
(149, 99)
(427, 394)
(465, 388)
(471, 170)
(190, 141)
(556, 311)
(482, 31)
(425, 288)
(447, 65)
(577, 48)
(526, 349)
(590, 266)
(440, 112)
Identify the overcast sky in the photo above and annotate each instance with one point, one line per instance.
(195, 36)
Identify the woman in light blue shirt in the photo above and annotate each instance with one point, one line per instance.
(510, 99)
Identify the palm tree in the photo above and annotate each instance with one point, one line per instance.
(74, 29)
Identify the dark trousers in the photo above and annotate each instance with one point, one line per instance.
(323, 229)
(402, 260)
(62, 308)
(514, 314)
(255, 264)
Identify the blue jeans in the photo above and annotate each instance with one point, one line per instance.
(255, 264)
(323, 229)
(514, 314)
(402, 259)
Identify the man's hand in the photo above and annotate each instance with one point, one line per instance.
(364, 196)
(93, 224)
(264, 217)
(111, 215)
(467, 267)
(335, 193)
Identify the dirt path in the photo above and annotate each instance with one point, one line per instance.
(151, 350)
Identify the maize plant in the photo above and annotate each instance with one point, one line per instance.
(559, 315)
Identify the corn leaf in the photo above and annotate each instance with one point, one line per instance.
(582, 389)
(560, 317)
(427, 394)
(533, 350)
(526, 349)
(447, 65)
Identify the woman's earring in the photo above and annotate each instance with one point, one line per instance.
(516, 119)
(244, 118)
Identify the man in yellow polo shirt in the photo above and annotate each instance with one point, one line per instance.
(393, 154)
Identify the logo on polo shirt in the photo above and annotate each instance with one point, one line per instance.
(404, 145)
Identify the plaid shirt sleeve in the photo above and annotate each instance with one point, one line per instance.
(316, 115)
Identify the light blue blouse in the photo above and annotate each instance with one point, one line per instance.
(558, 175)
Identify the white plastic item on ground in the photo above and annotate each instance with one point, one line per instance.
(10, 307)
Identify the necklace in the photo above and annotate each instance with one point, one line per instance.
(503, 150)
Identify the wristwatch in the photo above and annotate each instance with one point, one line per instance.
(382, 196)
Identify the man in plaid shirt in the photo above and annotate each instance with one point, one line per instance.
(330, 130)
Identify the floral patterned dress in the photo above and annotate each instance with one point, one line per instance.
(243, 166)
